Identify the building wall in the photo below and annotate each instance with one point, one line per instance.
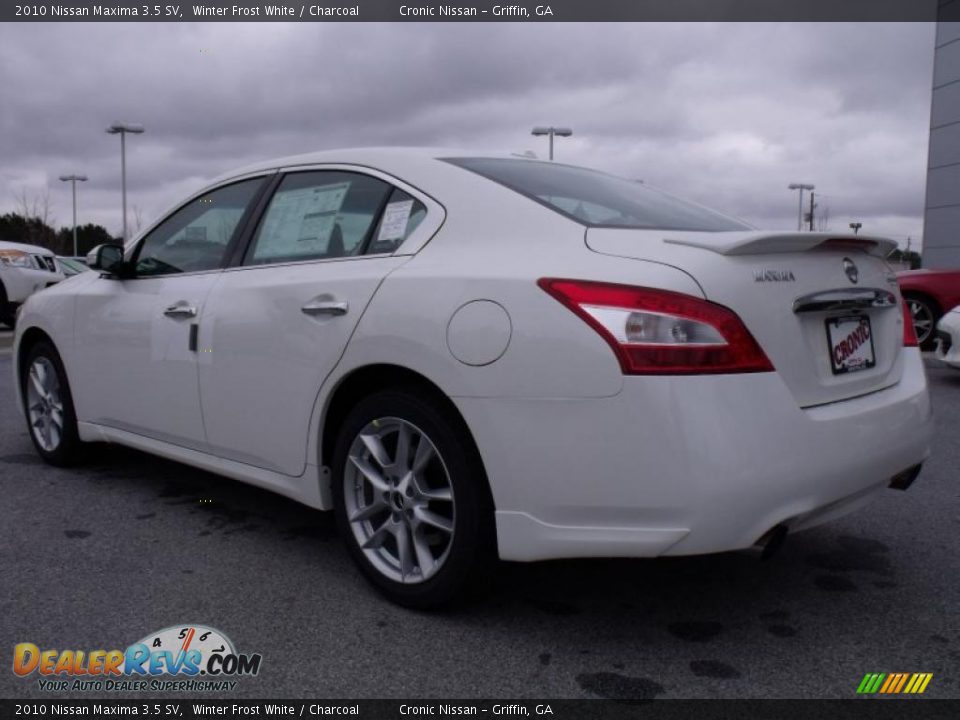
(941, 227)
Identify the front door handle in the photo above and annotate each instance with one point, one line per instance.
(181, 310)
(325, 307)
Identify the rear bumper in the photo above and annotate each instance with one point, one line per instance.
(689, 465)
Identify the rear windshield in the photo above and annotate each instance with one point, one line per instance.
(597, 199)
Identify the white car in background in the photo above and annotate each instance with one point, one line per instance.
(24, 269)
(948, 338)
(459, 353)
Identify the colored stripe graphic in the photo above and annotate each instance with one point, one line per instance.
(894, 683)
(891, 680)
(870, 683)
(903, 679)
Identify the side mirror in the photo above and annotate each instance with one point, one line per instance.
(107, 258)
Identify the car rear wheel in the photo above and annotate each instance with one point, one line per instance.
(48, 406)
(410, 498)
(925, 316)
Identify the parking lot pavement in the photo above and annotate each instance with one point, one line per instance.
(6, 340)
(97, 557)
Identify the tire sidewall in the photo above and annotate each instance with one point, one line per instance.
(7, 317)
(470, 542)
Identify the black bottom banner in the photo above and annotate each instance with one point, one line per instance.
(885, 709)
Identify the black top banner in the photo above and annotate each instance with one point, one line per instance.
(460, 11)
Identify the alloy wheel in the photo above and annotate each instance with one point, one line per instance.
(45, 404)
(399, 500)
(923, 320)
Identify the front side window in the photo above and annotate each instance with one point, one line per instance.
(597, 199)
(319, 215)
(195, 237)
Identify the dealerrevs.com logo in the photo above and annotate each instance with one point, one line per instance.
(200, 657)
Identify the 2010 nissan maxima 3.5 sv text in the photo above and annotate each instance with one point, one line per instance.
(459, 353)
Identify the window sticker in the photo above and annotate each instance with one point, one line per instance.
(394, 223)
(315, 226)
(301, 221)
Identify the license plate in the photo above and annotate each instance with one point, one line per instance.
(850, 342)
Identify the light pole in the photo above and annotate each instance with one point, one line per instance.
(855, 226)
(801, 187)
(122, 129)
(551, 131)
(73, 181)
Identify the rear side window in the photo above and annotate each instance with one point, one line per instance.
(318, 215)
(401, 216)
(597, 199)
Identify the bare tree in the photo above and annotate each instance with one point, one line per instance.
(35, 209)
(823, 219)
(35, 206)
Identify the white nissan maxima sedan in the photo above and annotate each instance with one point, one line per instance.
(464, 355)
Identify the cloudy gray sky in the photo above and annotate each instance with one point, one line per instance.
(726, 114)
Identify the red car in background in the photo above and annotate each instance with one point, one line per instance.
(929, 294)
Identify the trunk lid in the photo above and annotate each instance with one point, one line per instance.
(786, 287)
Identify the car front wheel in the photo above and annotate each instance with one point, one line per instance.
(8, 316)
(48, 406)
(410, 498)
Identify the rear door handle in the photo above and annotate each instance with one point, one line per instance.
(325, 307)
(181, 310)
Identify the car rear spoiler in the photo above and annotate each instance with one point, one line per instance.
(763, 243)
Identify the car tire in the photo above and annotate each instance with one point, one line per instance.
(418, 522)
(925, 315)
(7, 315)
(48, 406)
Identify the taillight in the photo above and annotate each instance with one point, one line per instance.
(658, 332)
(909, 332)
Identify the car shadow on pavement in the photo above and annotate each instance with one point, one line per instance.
(613, 625)
(814, 568)
(227, 506)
